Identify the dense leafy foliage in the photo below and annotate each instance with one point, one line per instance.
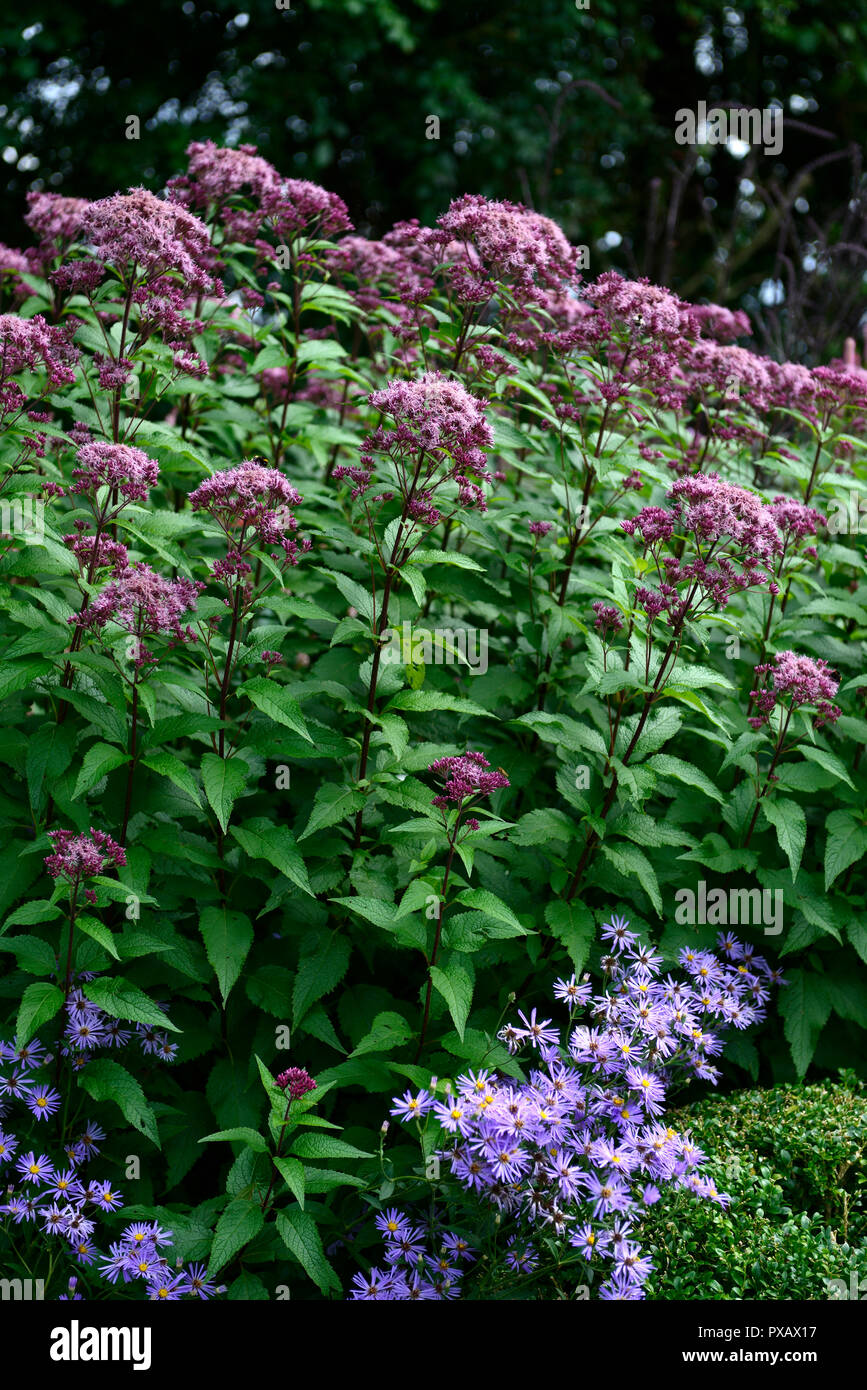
(377, 618)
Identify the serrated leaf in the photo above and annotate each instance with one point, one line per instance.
(166, 764)
(91, 926)
(122, 999)
(320, 1146)
(829, 761)
(845, 845)
(805, 1005)
(224, 779)
(489, 903)
(292, 1173)
(790, 823)
(629, 860)
(332, 804)
(275, 701)
(261, 839)
(241, 1221)
(104, 1079)
(319, 973)
(666, 766)
(99, 760)
(228, 936)
(241, 1134)
(572, 923)
(425, 701)
(39, 1003)
(299, 1233)
(455, 984)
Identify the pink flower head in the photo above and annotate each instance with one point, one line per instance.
(254, 500)
(540, 528)
(55, 218)
(82, 856)
(608, 619)
(152, 235)
(296, 1082)
(714, 510)
(215, 173)
(119, 466)
(643, 308)
(501, 241)
(794, 519)
(93, 554)
(466, 776)
(440, 416)
(32, 345)
(717, 322)
(298, 205)
(804, 679)
(144, 604)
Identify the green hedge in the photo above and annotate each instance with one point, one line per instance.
(793, 1161)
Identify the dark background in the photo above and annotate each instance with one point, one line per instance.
(569, 110)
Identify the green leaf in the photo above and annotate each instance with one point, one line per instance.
(39, 1003)
(829, 761)
(667, 766)
(224, 779)
(166, 764)
(261, 839)
(292, 1173)
(228, 936)
(239, 1224)
(270, 988)
(15, 676)
(49, 753)
(32, 954)
(319, 1146)
(455, 984)
(572, 923)
(629, 860)
(805, 1005)
(489, 903)
(91, 926)
(319, 973)
(790, 823)
(388, 1031)
(242, 1134)
(104, 1079)
(331, 805)
(299, 1233)
(424, 701)
(122, 999)
(275, 701)
(98, 762)
(32, 914)
(846, 843)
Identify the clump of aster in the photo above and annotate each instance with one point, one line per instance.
(251, 503)
(792, 680)
(570, 1157)
(145, 605)
(78, 856)
(422, 1263)
(296, 1082)
(121, 467)
(143, 236)
(465, 777)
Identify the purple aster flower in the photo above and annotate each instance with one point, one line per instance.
(196, 1281)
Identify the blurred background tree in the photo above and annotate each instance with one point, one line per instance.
(568, 109)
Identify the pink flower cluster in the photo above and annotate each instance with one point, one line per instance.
(78, 856)
(120, 466)
(500, 242)
(465, 776)
(255, 498)
(144, 604)
(804, 679)
(441, 416)
(151, 235)
(296, 1082)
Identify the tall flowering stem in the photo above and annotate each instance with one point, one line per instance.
(731, 536)
(465, 779)
(436, 445)
(295, 1083)
(787, 683)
